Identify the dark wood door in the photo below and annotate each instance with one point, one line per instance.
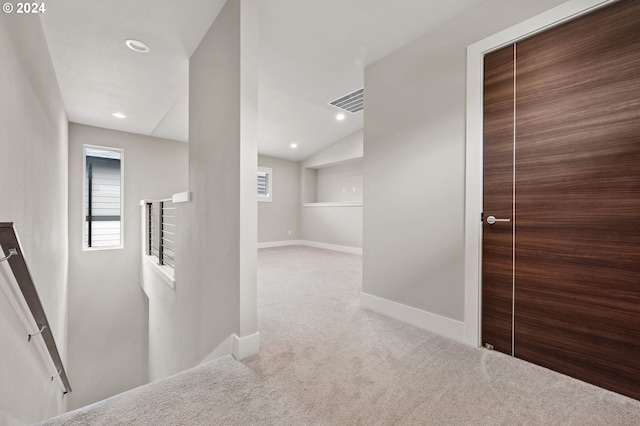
(497, 243)
(576, 305)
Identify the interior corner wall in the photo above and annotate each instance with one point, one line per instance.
(33, 194)
(326, 224)
(217, 245)
(414, 162)
(348, 148)
(108, 310)
(341, 183)
(279, 220)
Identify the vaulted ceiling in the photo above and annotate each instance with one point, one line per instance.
(311, 52)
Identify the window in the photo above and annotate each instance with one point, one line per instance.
(265, 176)
(102, 198)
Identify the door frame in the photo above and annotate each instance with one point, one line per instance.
(474, 147)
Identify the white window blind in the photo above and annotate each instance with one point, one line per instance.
(264, 183)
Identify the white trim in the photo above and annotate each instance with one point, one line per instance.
(165, 272)
(335, 247)
(224, 349)
(285, 243)
(435, 323)
(316, 244)
(84, 197)
(238, 347)
(244, 347)
(181, 197)
(335, 204)
(474, 166)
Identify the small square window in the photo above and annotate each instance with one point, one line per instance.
(265, 179)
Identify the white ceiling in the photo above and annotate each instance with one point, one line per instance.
(311, 52)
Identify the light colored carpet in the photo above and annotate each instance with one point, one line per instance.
(326, 361)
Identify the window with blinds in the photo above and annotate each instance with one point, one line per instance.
(264, 183)
(103, 198)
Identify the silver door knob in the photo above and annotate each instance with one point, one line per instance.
(492, 219)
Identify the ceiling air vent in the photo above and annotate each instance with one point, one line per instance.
(353, 102)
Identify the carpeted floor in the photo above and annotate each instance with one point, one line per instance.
(325, 361)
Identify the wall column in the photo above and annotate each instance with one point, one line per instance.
(216, 270)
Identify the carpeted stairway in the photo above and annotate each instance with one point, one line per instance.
(326, 361)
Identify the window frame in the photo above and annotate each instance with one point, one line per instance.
(269, 173)
(85, 247)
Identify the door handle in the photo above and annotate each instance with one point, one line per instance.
(492, 219)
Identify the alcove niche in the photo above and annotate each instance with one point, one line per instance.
(333, 184)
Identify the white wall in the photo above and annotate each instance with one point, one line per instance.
(33, 193)
(215, 294)
(338, 166)
(281, 215)
(163, 351)
(108, 311)
(414, 163)
(349, 148)
(341, 183)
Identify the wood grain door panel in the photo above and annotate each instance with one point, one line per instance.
(576, 298)
(577, 273)
(497, 254)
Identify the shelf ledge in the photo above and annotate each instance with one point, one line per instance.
(335, 204)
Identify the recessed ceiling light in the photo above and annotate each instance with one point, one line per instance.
(137, 46)
(340, 117)
(119, 115)
(294, 145)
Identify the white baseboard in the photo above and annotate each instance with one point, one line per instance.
(224, 349)
(239, 347)
(316, 244)
(438, 324)
(270, 244)
(336, 247)
(7, 420)
(244, 347)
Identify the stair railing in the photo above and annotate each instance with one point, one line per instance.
(14, 256)
(161, 231)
